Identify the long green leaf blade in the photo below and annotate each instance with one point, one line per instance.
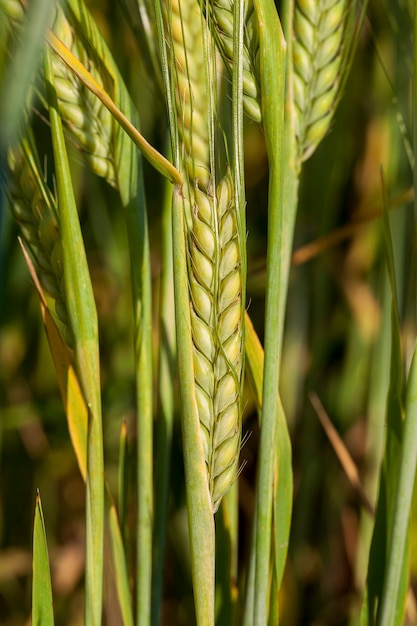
(119, 559)
(83, 320)
(381, 554)
(283, 480)
(272, 64)
(130, 183)
(399, 465)
(166, 404)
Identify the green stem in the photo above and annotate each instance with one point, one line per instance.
(164, 424)
(272, 63)
(137, 228)
(83, 321)
(391, 611)
(200, 516)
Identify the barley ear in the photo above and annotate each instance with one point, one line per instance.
(86, 119)
(34, 208)
(215, 284)
(183, 25)
(221, 14)
(323, 35)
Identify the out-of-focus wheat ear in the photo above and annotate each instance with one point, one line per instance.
(183, 25)
(34, 207)
(221, 13)
(323, 35)
(88, 121)
(13, 11)
(215, 282)
(11, 15)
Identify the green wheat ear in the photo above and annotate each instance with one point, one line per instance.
(34, 207)
(221, 14)
(323, 37)
(215, 284)
(87, 122)
(184, 28)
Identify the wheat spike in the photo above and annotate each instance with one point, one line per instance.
(34, 207)
(88, 123)
(319, 47)
(13, 11)
(221, 11)
(184, 26)
(216, 319)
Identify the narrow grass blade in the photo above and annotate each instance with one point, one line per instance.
(133, 198)
(283, 479)
(274, 601)
(119, 559)
(77, 416)
(254, 361)
(130, 183)
(382, 558)
(282, 495)
(272, 64)
(83, 321)
(42, 608)
(18, 80)
(72, 397)
(168, 80)
(376, 410)
(157, 160)
(396, 581)
(166, 401)
(401, 477)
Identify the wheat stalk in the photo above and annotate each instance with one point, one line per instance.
(321, 41)
(215, 285)
(34, 207)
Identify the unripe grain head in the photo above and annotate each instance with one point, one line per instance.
(215, 282)
(34, 207)
(321, 42)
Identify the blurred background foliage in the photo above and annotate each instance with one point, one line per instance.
(337, 343)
